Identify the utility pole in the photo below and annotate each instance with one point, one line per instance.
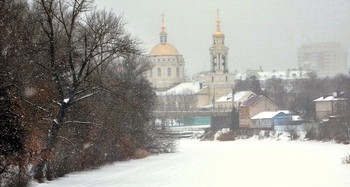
(235, 111)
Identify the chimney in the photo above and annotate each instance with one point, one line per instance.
(261, 69)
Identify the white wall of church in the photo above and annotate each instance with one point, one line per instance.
(166, 71)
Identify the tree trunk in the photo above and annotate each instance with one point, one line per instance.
(48, 153)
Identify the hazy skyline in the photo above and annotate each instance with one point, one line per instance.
(263, 33)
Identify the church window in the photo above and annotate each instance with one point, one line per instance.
(177, 71)
(226, 79)
(159, 72)
(169, 71)
(212, 79)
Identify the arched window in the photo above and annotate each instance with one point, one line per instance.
(177, 71)
(159, 72)
(169, 71)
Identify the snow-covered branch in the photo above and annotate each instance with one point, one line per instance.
(78, 122)
(66, 139)
(36, 106)
(85, 96)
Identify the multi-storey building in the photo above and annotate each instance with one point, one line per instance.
(325, 59)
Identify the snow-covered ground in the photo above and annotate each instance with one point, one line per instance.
(242, 163)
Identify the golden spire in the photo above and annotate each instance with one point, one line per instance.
(218, 30)
(217, 21)
(163, 25)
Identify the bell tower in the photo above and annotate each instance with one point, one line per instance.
(218, 50)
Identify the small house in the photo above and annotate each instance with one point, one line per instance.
(267, 120)
(252, 106)
(225, 102)
(330, 105)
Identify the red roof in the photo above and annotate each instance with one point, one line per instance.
(252, 100)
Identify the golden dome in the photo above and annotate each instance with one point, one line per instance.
(218, 30)
(164, 49)
(218, 33)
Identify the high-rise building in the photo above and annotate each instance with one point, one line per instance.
(167, 63)
(325, 59)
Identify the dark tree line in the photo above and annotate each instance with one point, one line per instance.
(297, 95)
(73, 94)
(13, 40)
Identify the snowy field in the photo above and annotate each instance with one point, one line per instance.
(242, 163)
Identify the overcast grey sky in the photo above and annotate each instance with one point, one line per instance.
(263, 33)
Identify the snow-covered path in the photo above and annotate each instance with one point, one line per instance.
(242, 163)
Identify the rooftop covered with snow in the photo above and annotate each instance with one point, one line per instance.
(182, 88)
(269, 114)
(238, 96)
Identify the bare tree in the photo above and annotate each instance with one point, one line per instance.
(275, 89)
(77, 41)
(187, 100)
(181, 101)
(111, 125)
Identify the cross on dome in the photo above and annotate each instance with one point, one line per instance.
(217, 21)
(163, 25)
(163, 34)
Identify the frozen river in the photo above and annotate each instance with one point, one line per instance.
(242, 163)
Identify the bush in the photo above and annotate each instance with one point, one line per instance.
(226, 137)
(13, 172)
(311, 133)
(157, 141)
(346, 160)
(141, 153)
(18, 180)
(209, 135)
(293, 132)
